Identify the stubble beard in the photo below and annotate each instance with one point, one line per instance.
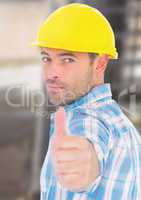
(61, 98)
(66, 97)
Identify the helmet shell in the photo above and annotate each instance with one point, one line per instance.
(77, 27)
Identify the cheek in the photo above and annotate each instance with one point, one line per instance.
(44, 73)
(77, 78)
(79, 83)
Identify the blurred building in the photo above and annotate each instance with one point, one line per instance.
(20, 95)
(23, 121)
(130, 77)
(20, 21)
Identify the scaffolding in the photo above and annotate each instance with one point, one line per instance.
(132, 42)
(131, 61)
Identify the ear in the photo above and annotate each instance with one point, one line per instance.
(102, 63)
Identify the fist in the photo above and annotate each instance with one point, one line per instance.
(74, 157)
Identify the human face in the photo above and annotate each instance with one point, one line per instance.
(67, 75)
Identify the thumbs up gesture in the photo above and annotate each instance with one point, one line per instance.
(74, 157)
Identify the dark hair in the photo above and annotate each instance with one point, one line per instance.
(92, 56)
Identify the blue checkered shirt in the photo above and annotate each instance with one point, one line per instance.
(98, 118)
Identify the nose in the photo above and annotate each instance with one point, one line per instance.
(52, 72)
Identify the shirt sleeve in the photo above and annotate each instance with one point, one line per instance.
(98, 133)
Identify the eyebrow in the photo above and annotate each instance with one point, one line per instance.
(60, 54)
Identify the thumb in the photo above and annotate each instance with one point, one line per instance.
(60, 122)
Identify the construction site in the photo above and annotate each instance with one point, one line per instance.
(24, 118)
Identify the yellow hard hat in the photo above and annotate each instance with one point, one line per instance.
(77, 27)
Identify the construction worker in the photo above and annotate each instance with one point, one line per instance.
(94, 150)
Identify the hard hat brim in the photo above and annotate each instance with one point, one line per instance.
(113, 56)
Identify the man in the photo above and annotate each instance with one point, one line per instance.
(94, 151)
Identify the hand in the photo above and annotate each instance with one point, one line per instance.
(74, 157)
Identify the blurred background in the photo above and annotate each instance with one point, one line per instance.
(24, 119)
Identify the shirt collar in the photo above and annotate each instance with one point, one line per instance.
(95, 94)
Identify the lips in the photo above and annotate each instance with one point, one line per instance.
(53, 86)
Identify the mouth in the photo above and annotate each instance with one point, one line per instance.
(54, 87)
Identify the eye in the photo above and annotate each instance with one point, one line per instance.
(68, 60)
(45, 59)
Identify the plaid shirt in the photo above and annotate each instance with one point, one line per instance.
(98, 118)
